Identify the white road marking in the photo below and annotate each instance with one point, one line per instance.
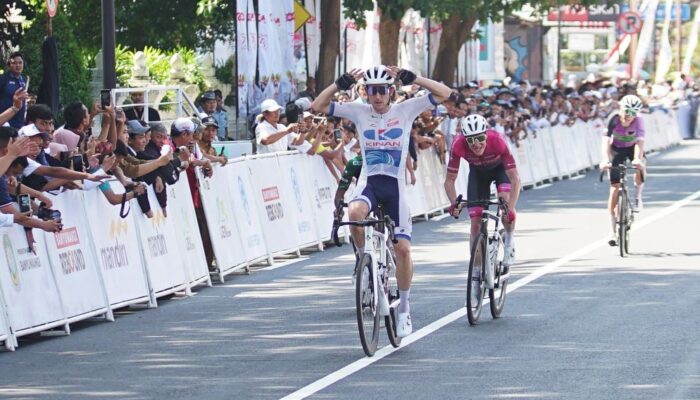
(360, 364)
(440, 218)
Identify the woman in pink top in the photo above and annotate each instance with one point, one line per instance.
(489, 161)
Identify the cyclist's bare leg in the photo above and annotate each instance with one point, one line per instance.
(358, 210)
(612, 204)
(509, 226)
(638, 182)
(404, 268)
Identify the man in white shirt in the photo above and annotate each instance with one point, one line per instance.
(271, 136)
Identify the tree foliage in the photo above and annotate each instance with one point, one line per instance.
(164, 24)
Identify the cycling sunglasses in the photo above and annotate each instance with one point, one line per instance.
(631, 113)
(473, 139)
(372, 90)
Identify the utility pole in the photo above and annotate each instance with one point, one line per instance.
(108, 45)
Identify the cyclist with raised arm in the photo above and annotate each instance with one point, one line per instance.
(489, 160)
(624, 141)
(384, 131)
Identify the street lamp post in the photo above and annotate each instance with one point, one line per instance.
(108, 45)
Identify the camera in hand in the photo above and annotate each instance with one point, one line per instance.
(105, 98)
(24, 202)
(48, 214)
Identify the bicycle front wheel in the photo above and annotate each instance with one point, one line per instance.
(366, 306)
(497, 295)
(622, 222)
(476, 285)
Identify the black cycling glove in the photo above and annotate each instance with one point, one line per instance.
(406, 77)
(345, 81)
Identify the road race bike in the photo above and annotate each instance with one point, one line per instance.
(375, 271)
(486, 270)
(625, 212)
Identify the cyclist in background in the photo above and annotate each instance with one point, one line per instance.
(624, 141)
(384, 130)
(489, 160)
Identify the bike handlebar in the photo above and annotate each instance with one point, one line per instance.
(500, 203)
(337, 223)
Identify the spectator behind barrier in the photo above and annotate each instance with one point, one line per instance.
(12, 86)
(270, 135)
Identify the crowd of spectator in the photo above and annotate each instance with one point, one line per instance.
(120, 154)
(515, 109)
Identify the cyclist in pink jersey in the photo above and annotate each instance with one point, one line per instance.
(624, 141)
(489, 160)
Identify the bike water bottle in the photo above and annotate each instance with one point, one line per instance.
(490, 262)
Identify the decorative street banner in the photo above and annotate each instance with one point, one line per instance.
(72, 257)
(412, 42)
(117, 249)
(160, 248)
(361, 49)
(313, 34)
(28, 284)
(246, 53)
(189, 241)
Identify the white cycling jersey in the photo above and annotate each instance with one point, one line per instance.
(384, 137)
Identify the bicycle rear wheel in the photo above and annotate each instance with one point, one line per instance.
(366, 306)
(392, 295)
(622, 222)
(476, 285)
(628, 226)
(497, 295)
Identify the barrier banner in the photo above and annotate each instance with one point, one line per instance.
(417, 202)
(578, 134)
(297, 195)
(441, 172)
(244, 211)
(462, 183)
(72, 257)
(28, 284)
(546, 136)
(161, 254)
(559, 145)
(5, 333)
(521, 161)
(323, 187)
(277, 220)
(429, 184)
(117, 249)
(189, 241)
(538, 158)
(221, 220)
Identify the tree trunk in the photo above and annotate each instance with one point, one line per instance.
(389, 43)
(455, 32)
(330, 43)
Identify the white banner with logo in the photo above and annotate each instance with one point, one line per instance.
(72, 257)
(221, 220)
(322, 187)
(429, 179)
(189, 241)
(160, 250)
(117, 249)
(297, 196)
(277, 219)
(240, 188)
(28, 284)
(5, 333)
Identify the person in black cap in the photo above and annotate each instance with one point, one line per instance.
(205, 142)
(208, 102)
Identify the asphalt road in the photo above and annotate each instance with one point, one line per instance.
(579, 323)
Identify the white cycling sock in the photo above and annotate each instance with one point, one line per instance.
(638, 191)
(613, 223)
(508, 238)
(404, 307)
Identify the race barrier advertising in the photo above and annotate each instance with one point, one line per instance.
(256, 208)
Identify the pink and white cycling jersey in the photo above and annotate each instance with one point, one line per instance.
(625, 137)
(496, 153)
(384, 137)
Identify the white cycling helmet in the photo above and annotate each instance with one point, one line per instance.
(378, 75)
(631, 103)
(473, 125)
